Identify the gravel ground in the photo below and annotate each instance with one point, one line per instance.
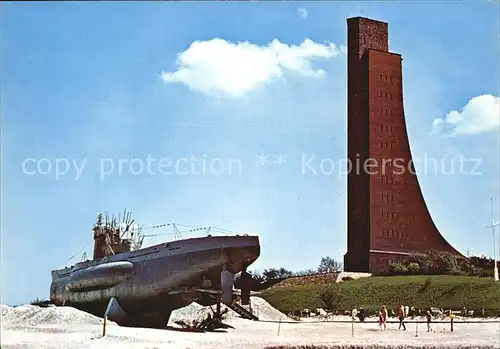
(31, 315)
(63, 328)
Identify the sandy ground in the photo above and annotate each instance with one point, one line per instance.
(67, 328)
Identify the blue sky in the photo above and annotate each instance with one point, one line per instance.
(97, 81)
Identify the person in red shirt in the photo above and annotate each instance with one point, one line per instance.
(382, 318)
(401, 316)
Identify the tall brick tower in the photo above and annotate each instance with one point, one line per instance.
(387, 218)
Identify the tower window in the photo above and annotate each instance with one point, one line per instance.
(390, 216)
(385, 197)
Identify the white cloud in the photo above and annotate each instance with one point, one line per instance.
(302, 12)
(220, 67)
(480, 114)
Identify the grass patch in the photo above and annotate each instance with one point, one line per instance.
(419, 291)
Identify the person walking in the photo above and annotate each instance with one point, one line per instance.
(428, 315)
(382, 318)
(354, 313)
(361, 314)
(401, 316)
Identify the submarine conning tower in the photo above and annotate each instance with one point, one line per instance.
(107, 237)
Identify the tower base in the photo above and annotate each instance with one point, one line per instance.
(378, 262)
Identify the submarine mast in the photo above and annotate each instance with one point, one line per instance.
(109, 235)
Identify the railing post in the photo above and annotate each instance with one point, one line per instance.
(108, 308)
(104, 326)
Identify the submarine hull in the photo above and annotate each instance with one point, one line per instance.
(150, 283)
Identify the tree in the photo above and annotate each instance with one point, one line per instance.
(331, 299)
(329, 265)
(257, 276)
(305, 272)
(274, 273)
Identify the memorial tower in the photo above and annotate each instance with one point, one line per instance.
(387, 218)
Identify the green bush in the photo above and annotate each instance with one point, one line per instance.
(331, 299)
(413, 268)
(443, 263)
(427, 284)
(398, 268)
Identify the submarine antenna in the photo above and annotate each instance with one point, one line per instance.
(127, 227)
(207, 232)
(177, 233)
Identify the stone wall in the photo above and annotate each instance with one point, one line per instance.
(315, 279)
(353, 276)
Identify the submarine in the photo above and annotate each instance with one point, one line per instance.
(140, 287)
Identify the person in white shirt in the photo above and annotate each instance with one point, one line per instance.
(354, 313)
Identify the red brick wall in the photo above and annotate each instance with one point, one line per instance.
(362, 35)
(386, 209)
(379, 262)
